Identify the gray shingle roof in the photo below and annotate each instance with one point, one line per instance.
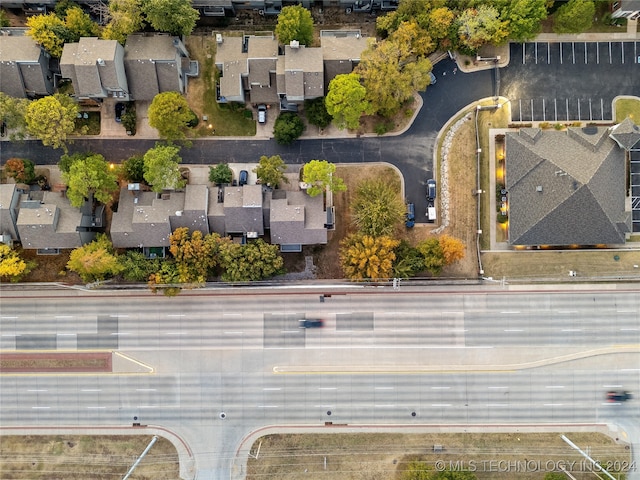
(243, 209)
(153, 65)
(626, 134)
(298, 219)
(23, 67)
(565, 188)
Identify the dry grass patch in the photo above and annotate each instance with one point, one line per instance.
(384, 456)
(104, 457)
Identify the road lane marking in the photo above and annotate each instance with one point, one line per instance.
(628, 329)
(63, 316)
(497, 404)
(175, 315)
(3, 317)
(96, 408)
(146, 390)
(440, 404)
(233, 333)
(384, 406)
(612, 386)
(66, 334)
(571, 330)
(327, 388)
(271, 389)
(385, 388)
(440, 388)
(508, 312)
(267, 406)
(552, 404)
(40, 408)
(91, 390)
(554, 386)
(513, 330)
(497, 387)
(175, 333)
(38, 390)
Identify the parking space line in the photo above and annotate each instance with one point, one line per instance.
(622, 50)
(567, 107)
(520, 101)
(585, 53)
(590, 111)
(597, 54)
(560, 53)
(579, 116)
(532, 119)
(555, 110)
(548, 54)
(609, 53)
(573, 52)
(524, 48)
(536, 52)
(544, 113)
(601, 109)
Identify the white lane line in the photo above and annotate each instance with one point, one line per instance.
(513, 330)
(40, 408)
(327, 388)
(38, 390)
(630, 369)
(175, 315)
(175, 333)
(323, 406)
(96, 408)
(146, 390)
(119, 316)
(233, 333)
(612, 386)
(628, 329)
(91, 390)
(497, 404)
(4, 317)
(626, 311)
(267, 406)
(440, 404)
(121, 333)
(147, 406)
(230, 314)
(554, 386)
(566, 311)
(385, 388)
(63, 316)
(571, 330)
(271, 389)
(509, 312)
(66, 334)
(495, 388)
(384, 406)
(292, 331)
(552, 404)
(440, 388)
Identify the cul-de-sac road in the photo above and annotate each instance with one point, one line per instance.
(482, 356)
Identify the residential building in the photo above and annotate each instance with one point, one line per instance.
(253, 68)
(24, 65)
(625, 9)
(95, 68)
(157, 63)
(46, 220)
(146, 219)
(566, 188)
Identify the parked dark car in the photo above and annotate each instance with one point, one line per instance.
(410, 217)
(431, 190)
(311, 323)
(244, 178)
(120, 109)
(618, 396)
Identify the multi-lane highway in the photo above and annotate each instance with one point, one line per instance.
(410, 357)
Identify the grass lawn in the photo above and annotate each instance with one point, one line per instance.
(41, 457)
(226, 120)
(378, 456)
(627, 107)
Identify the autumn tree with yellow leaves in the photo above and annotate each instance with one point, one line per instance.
(13, 267)
(364, 257)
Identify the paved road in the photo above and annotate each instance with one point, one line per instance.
(373, 362)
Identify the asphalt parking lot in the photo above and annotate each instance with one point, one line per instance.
(635, 189)
(588, 76)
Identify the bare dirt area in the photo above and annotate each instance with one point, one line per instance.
(526, 456)
(55, 362)
(49, 268)
(67, 457)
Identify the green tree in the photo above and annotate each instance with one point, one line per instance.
(21, 170)
(412, 40)
(220, 174)
(169, 113)
(196, 254)
(575, 16)
(346, 100)
(433, 256)
(49, 31)
(377, 208)
(136, 267)
(90, 174)
(524, 18)
(320, 175)
(133, 169)
(13, 112)
(13, 267)
(166, 279)
(254, 261)
(440, 21)
(295, 23)
(161, 169)
(364, 257)
(95, 261)
(52, 119)
(126, 18)
(177, 17)
(79, 24)
(288, 128)
(4, 18)
(391, 75)
(480, 26)
(316, 112)
(270, 170)
(409, 261)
